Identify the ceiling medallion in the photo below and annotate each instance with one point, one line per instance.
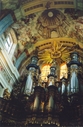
(50, 14)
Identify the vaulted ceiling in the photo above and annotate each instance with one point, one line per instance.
(53, 30)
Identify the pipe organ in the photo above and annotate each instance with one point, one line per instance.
(57, 103)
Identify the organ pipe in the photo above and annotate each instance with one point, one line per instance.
(73, 66)
(32, 71)
(58, 102)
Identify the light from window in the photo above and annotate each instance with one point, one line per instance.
(63, 70)
(45, 71)
(8, 43)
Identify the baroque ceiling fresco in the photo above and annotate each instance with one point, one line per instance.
(52, 34)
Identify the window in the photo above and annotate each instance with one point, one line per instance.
(63, 70)
(45, 71)
(8, 43)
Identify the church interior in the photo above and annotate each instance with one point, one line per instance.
(41, 63)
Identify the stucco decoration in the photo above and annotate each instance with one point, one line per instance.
(52, 20)
(26, 34)
(7, 78)
(77, 29)
(50, 24)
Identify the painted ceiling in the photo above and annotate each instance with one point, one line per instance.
(54, 33)
(51, 33)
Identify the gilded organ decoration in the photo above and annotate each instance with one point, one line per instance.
(57, 51)
(6, 94)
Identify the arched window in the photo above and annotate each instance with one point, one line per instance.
(8, 42)
(45, 70)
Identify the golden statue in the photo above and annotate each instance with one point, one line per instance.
(6, 94)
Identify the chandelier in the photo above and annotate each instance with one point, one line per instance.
(52, 103)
